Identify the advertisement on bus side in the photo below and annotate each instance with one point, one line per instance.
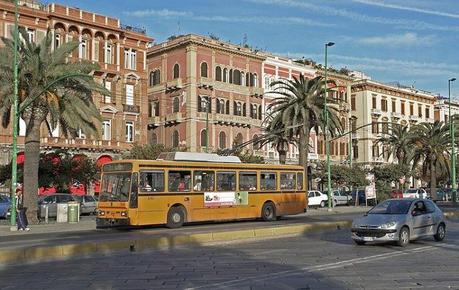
(226, 198)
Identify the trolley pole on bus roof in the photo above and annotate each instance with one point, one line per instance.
(14, 165)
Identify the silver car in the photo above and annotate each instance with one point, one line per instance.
(400, 220)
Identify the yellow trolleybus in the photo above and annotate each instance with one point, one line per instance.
(183, 187)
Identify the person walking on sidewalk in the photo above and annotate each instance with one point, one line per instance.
(21, 213)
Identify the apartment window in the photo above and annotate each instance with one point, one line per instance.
(204, 69)
(31, 35)
(374, 126)
(411, 109)
(83, 49)
(204, 138)
(154, 109)
(427, 113)
(354, 124)
(394, 108)
(355, 151)
(402, 108)
(155, 78)
(108, 98)
(374, 102)
(353, 102)
(384, 105)
(175, 139)
(108, 54)
(385, 127)
(218, 74)
(57, 41)
(129, 131)
(130, 95)
(130, 58)
(106, 130)
(176, 71)
(222, 140)
(375, 150)
(419, 111)
(81, 135)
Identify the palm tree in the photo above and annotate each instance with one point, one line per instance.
(431, 144)
(398, 143)
(52, 92)
(277, 135)
(300, 106)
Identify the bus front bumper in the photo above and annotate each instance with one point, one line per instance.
(111, 222)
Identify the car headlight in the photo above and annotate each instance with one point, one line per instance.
(388, 225)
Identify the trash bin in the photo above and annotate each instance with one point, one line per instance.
(73, 212)
(61, 215)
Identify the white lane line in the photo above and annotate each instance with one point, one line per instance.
(315, 268)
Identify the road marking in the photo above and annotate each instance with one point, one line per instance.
(316, 268)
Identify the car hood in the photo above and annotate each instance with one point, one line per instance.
(377, 219)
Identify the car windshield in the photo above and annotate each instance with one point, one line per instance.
(392, 207)
(115, 186)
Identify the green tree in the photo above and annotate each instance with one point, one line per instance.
(300, 103)
(398, 143)
(432, 143)
(146, 152)
(53, 92)
(387, 174)
(343, 176)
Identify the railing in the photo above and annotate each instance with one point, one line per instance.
(135, 29)
(131, 109)
(376, 111)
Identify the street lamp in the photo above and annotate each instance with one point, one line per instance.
(327, 144)
(453, 153)
(15, 120)
(208, 103)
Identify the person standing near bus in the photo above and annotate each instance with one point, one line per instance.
(22, 222)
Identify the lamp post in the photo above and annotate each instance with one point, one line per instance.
(14, 165)
(453, 153)
(207, 123)
(327, 144)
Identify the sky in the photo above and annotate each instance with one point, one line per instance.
(413, 42)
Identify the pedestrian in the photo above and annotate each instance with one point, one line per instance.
(21, 213)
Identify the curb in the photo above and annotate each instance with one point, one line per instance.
(62, 252)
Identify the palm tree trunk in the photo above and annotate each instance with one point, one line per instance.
(282, 156)
(32, 157)
(433, 181)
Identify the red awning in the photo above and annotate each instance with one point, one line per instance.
(20, 158)
(103, 159)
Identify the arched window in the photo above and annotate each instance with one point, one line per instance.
(222, 140)
(156, 77)
(204, 69)
(203, 138)
(154, 139)
(176, 106)
(230, 76)
(218, 74)
(222, 106)
(225, 75)
(175, 139)
(227, 107)
(176, 71)
(151, 78)
(238, 109)
(217, 105)
(255, 80)
(259, 113)
(343, 124)
(247, 79)
(239, 139)
(199, 104)
(242, 78)
(237, 77)
(244, 110)
(256, 146)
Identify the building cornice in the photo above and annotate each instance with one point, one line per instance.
(368, 85)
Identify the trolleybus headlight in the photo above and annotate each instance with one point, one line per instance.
(123, 213)
(101, 212)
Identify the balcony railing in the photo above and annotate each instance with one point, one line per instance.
(174, 118)
(141, 30)
(396, 115)
(78, 143)
(174, 84)
(237, 120)
(376, 112)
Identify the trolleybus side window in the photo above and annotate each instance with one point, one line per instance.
(226, 181)
(203, 180)
(179, 180)
(299, 181)
(268, 181)
(287, 181)
(152, 181)
(115, 186)
(247, 181)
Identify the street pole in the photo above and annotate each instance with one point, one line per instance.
(327, 144)
(207, 123)
(14, 166)
(350, 145)
(453, 153)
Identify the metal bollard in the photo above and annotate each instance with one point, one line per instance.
(46, 213)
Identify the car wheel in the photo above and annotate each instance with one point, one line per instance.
(175, 217)
(360, 243)
(441, 233)
(322, 203)
(268, 212)
(403, 237)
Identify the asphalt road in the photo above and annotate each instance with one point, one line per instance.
(319, 260)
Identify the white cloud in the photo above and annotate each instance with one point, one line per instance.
(331, 11)
(405, 39)
(164, 13)
(407, 8)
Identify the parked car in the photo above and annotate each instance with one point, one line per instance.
(443, 194)
(400, 220)
(317, 198)
(88, 204)
(415, 193)
(396, 193)
(5, 206)
(361, 196)
(340, 198)
(51, 202)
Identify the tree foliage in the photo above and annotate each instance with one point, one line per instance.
(146, 152)
(342, 176)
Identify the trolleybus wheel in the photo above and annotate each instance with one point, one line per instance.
(268, 212)
(175, 217)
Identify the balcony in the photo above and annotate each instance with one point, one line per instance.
(173, 85)
(414, 118)
(378, 159)
(154, 121)
(376, 112)
(344, 107)
(396, 115)
(206, 83)
(174, 118)
(131, 109)
(78, 143)
(256, 92)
